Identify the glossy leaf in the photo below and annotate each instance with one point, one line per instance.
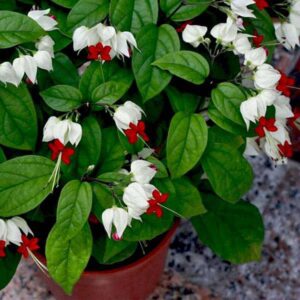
(154, 42)
(233, 231)
(74, 207)
(62, 98)
(17, 28)
(24, 184)
(18, 119)
(186, 142)
(187, 65)
(65, 3)
(132, 15)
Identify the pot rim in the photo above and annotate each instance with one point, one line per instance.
(144, 258)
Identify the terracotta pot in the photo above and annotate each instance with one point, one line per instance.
(135, 281)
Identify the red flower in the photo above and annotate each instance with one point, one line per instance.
(99, 52)
(291, 121)
(268, 124)
(257, 39)
(183, 25)
(285, 83)
(57, 147)
(135, 131)
(262, 4)
(154, 207)
(28, 244)
(286, 149)
(2, 249)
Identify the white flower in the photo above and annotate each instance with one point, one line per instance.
(240, 24)
(46, 44)
(295, 14)
(283, 108)
(127, 113)
(194, 34)
(225, 33)
(106, 33)
(143, 171)
(25, 64)
(287, 35)
(255, 107)
(63, 130)
(136, 199)
(252, 148)
(115, 216)
(43, 60)
(8, 74)
(84, 37)
(266, 77)
(40, 16)
(255, 57)
(122, 42)
(239, 7)
(241, 44)
(11, 230)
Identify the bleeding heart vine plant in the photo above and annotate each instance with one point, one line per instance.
(117, 116)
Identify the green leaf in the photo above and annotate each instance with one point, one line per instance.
(187, 65)
(64, 71)
(113, 154)
(74, 207)
(67, 259)
(224, 109)
(184, 102)
(8, 5)
(132, 15)
(188, 201)
(17, 118)
(102, 199)
(24, 184)
(88, 151)
(2, 156)
(87, 13)
(186, 142)
(154, 42)
(93, 77)
(17, 28)
(233, 231)
(229, 173)
(109, 92)
(108, 251)
(180, 12)
(8, 267)
(62, 98)
(65, 3)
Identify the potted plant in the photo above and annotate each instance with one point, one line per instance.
(119, 116)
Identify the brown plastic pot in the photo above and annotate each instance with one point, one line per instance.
(135, 281)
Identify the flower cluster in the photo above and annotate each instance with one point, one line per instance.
(103, 42)
(139, 197)
(15, 231)
(29, 61)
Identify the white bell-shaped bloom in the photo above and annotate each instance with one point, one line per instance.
(40, 16)
(266, 77)
(287, 35)
(25, 64)
(63, 130)
(136, 199)
(143, 171)
(43, 60)
(11, 230)
(122, 42)
(225, 33)
(255, 57)
(240, 8)
(127, 113)
(283, 107)
(68, 131)
(106, 33)
(84, 37)
(115, 216)
(194, 34)
(46, 44)
(249, 110)
(241, 44)
(294, 15)
(8, 74)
